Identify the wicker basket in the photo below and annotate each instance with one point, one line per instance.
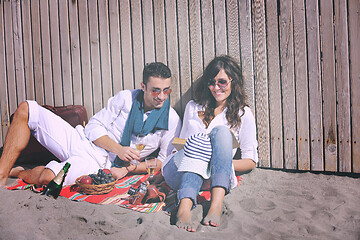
(94, 189)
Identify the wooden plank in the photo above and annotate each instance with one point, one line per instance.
(182, 54)
(301, 91)
(10, 61)
(275, 110)
(44, 90)
(18, 52)
(246, 52)
(172, 24)
(148, 29)
(160, 38)
(342, 87)
(4, 107)
(55, 53)
(65, 52)
(261, 97)
(288, 84)
(315, 93)
(105, 51)
(220, 29)
(137, 41)
(328, 85)
(126, 46)
(116, 62)
(232, 19)
(75, 52)
(196, 49)
(28, 52)
(95, 55)
(37, 52)
(354, 39)
(85, 56)
(207, 31)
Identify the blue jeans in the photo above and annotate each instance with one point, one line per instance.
(188, 184)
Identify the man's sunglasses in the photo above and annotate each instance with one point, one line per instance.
(222, 83)
(156, 92)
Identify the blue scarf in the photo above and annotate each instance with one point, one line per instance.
(158, 119)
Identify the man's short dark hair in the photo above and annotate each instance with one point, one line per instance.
(155, 69)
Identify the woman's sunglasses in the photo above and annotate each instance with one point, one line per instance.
(222, 83)
(156, 92)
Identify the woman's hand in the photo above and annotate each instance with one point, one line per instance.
(239, 180)
(119, 172)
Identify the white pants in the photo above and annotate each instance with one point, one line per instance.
(68, 144)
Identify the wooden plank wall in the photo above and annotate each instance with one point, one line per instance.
(299, 58)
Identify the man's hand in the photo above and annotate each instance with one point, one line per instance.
(124, 153)
(128, 154)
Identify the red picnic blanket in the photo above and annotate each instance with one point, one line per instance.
(118, 196)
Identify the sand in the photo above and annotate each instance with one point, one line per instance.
(269, 204)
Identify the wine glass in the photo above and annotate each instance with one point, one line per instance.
(151, 164)
(140, 143)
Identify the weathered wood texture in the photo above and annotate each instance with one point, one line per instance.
(299, 59)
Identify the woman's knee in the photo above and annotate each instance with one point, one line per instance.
(221, 140)
(220, 131)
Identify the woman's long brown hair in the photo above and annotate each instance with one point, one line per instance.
(237, 99)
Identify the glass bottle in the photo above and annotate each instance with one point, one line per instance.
(54, 187)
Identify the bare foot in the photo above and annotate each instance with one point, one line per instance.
(214, 214)
(184, 221)
(3, 179)
(184, 215)
(14, 172)
(212, 219)
(3, 182)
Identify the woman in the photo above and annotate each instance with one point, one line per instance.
(219, 105)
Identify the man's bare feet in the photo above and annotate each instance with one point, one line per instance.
(184, 215)
(14, 172)
(3, 181)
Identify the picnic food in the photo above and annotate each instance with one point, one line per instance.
(101, 177)
(101, 183)
(86, 180)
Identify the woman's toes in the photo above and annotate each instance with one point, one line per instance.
(213, 221)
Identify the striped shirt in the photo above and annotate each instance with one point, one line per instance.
(198, 147)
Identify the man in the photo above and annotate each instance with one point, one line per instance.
(107, 140)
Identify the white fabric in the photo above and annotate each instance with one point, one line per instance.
(111, 121)
(66, 143)
(76, 146)
(197, 155)
(245, 134)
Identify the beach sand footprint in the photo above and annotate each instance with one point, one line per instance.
(257, 206)
(265, 204)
